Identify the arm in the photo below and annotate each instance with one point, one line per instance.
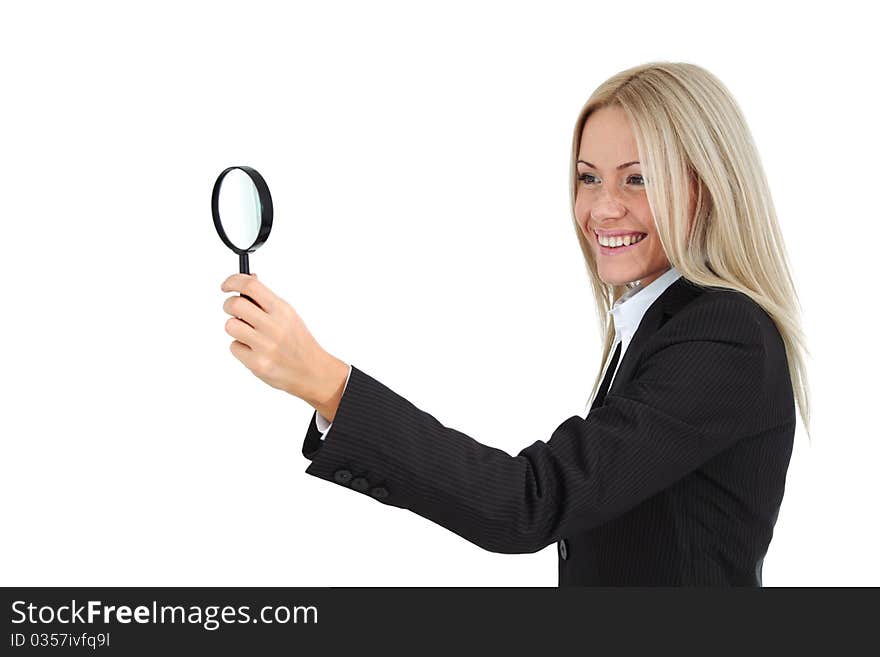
(329, 386)
(698, 388)
(322, 422)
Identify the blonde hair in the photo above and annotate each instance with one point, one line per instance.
(690, 130)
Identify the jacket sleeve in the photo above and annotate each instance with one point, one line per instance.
(698, 387)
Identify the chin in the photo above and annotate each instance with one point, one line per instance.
(618, 278)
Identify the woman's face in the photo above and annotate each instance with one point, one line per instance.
(611, 201)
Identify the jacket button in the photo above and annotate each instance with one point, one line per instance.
(563, 549)
(342, 476)
(379, 492)
(359, 483)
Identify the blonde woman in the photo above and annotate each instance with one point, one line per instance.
(677, 472)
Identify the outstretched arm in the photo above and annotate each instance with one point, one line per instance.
(699, 387)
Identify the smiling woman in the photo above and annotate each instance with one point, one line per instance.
(676, 474)
(663, 149)
(612, 207)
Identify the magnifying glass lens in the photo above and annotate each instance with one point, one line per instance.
(239, 209)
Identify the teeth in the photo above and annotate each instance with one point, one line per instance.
(620, 240)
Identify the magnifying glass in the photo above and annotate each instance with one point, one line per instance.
(242, 208)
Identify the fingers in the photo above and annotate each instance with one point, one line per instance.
(245, 310)
(243, 332)
(243, 353)
(249, 284)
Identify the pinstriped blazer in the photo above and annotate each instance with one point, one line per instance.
(674, 478)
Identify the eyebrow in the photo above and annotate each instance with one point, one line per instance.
(622, 166)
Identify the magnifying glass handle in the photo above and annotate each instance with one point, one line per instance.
(244, 268)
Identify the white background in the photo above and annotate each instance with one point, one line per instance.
(417, 155)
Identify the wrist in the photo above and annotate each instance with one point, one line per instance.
(329, 384)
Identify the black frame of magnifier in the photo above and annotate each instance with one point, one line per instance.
(266, 214)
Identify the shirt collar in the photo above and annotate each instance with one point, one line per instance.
(628, 310)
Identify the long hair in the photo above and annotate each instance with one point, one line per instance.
(690, 131)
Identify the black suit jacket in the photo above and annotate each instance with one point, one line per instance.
(674, 478)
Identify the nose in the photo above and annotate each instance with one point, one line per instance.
(607, 210)
(607, 206)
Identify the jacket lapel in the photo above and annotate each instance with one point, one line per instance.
(673, 299)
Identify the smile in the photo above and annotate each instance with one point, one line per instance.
(618, 243)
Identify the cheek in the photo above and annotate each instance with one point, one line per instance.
(657, 254)
(647, 218)
(581, 213)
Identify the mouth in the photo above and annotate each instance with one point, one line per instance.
(623, 248)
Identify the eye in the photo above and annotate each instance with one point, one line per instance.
(589, 179)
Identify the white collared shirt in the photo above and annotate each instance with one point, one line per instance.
(627, 313)
(628, 310)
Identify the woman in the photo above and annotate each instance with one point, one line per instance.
(676, 474)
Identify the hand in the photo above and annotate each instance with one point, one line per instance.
(272, 341)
